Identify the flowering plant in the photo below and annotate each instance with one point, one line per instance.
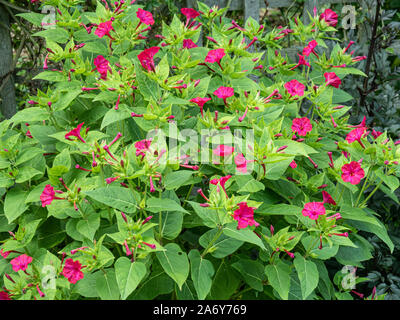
(188, 171)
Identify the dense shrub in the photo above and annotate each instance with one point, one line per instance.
(188, 172)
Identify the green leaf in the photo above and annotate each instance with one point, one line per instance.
(14, 204)
(88, 225)
(358, 214)
(158, 205)
(252, 273)
(308, 275)
(209, 216)
(59, 35)
(115, 115)
(176, 179)
(279, 278)
(245, 234)
(225, 284)
(115, 197)
(107, 286)
(222, 247)
(128, 274)
(171, 224)
(391, 181)
(27, 154)
(202, 272)
(147, 87)
(247, 183)
(174, 262)
(33, 17)
(30, 115)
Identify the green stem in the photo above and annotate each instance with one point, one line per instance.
(371, 194)
(211, 243)
(363, 188)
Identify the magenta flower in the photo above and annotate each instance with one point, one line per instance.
(200, 102)
(21, 262)
(241, 163)
(327, 198)
(190, 13)
(293, 164)
(142, 146)
(4, 296)
(224, 93)
(356, 135)
(313, 210)
(102, 66)
(189, 44)
(4, 254)
(76, 133)
(310, 48)
(330, 17)
(145, 17)
(221, 181)
(215, 56)
(302, 62)
(375, 133)
(352, 172)
(332, 79)
(72, 270)
(245, 216)
(111, 180)
(295, 88)
(302, 126)
(48, 195)
(104, 29)
(146, 58)
(223, 150)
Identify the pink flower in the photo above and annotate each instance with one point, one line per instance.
(302, 62)
(223, 150)
(72, 270)
(332, 79)
(295, 88)
(352, 172)
(111, 180)
(48, 195)
(293, 164)
(190, 13)
(302, 126)
(215, 56)
(21, 262)
(146, 58)
(102, 66)
(245, 216)
(189, 44)
(327, 198)
(330, 17)
(313, 210)
(310, 48)
(76, 133)
(356, 135)
(224, 93)
(142, 146)
(4, 296)
(241, 163)
(103, 29)
(200, 102)
(145, 17)
(221, 181)
(4, 254)
(376, 134)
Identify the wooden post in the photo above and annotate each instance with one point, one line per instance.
(8, 105)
